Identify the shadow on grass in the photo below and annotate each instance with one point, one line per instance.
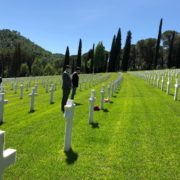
(78, 104)
(71, 156)
(94, 125)
(31, 111)
(52, 103)
(114, 96)
(1, 123)
(111, 102)
(105, 110)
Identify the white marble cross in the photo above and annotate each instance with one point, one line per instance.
(52, 94)
(69, 113)
(21, 91)
(162, 83)
(102, 99)
(92, 100)
(176, 90)
(109, 92)
(168, 85)
(7, 157)
(32, 95)
(2, 102)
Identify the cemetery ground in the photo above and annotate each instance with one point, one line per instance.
(135, 137)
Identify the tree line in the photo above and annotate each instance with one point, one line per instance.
(21, 57)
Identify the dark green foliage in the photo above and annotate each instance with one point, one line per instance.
(169, 63)
(118, 50)
(92, 60)
(112, 58)
(126, 53)
(24, 70)
(37, 68)
(73, 66)
(79, 53)
(99, 58)
(66, 59)
(49, 70)
(158, 45)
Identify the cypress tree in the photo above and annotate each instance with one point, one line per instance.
(126, 54)
(66, 59)
(92, 60)
(118, 50)
(112, 57)
(79, 53)
(169, 63)
(158, 44)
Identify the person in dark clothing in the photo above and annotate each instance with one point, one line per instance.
(66, 86)
(75, 82)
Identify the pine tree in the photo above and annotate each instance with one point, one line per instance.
(66, 59)
(118, 50)
(79, 54)
(169, 63)
(112, 58)
(158, 44)
(126, 54)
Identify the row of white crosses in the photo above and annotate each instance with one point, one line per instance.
(155, 80)
(70, 106)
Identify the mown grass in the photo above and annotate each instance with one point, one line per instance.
(137, 137)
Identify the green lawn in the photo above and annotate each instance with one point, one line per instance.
(136, 137)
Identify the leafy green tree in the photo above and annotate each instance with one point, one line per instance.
(66, 59)
(158, 44)
(37, 68)
(49, 69)
(79, 54)
(126, 54)
(99, 58)
(24, 70)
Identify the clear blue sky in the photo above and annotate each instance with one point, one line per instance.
(54, 24)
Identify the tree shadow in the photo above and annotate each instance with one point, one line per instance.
(1, 123)
(105, 110)
(71, 156)
(94, 125)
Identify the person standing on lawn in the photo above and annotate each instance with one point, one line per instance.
(66, 86)
(75, 81)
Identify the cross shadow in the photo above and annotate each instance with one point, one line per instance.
(105, 110)
(31, 111)
(71, 156)
(94, 125)
(111, 102)
(1, 123)
(114, 96)
(52, 103)
(78, 104)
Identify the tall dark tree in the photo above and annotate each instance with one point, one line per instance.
(66, 59)
(79, 53)
(92, 60)
(158, 44)
(169, 63)
(118, 50)
(126, 54)
(112, 57)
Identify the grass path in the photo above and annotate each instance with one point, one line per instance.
(136, 138)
